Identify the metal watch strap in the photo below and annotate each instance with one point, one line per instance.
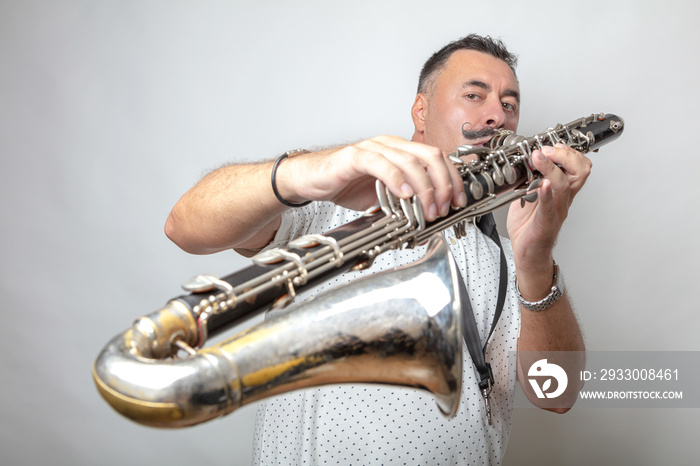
(556, 292)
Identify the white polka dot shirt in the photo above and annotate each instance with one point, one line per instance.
(381, 424)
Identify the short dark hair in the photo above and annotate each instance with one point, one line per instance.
(485, 44)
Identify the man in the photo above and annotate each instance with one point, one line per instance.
(466, 90)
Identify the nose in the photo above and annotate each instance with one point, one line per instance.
(494, 115)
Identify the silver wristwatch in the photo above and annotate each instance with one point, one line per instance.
(556, 293)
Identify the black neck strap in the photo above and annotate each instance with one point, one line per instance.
(487, 225)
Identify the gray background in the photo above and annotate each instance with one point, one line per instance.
(109, 111)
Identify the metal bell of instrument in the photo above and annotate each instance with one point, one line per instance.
(400, 327)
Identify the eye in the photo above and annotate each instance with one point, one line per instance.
(472, 97)
(508, 107)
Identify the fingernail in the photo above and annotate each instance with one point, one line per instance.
(541, 156)
(406, 190)
(461, 200)
(432, 212)
(549, 150)
(444, 209)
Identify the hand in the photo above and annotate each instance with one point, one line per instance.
(533, 228)
(346, 176)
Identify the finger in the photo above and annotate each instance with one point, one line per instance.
(391, 166)
(445, 184)
(420, 168)
(545, 199)
(574, 164)
(560, 184)
(441, 179)
(547, 213)
(546, 165)
(377, 165)
(459, 196)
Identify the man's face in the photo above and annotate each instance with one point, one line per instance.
(473, 91)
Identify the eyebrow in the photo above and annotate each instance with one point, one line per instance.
(476, 83)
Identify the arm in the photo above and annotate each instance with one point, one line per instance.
(227, 208)
(235, 207)
(533, 230)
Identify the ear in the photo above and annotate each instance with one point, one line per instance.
(419, 111)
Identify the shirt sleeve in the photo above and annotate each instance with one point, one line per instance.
(294, 223)
(317, 217)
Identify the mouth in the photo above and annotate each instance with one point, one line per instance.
(481, 142)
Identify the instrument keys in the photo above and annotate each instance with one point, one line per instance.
(316, 239)
(271, 256)
(476, 190)
(497, 174)
(203, 283)
(489, 183)
(198, 284)
(509, 173)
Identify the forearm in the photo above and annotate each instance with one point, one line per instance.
(233, 206)
(533, 229)
(553, 329)
(552, 334)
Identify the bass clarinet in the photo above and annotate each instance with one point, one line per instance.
(378, 329)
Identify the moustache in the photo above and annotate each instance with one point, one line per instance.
(483, 132)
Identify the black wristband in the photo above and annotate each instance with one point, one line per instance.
(274, 174)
